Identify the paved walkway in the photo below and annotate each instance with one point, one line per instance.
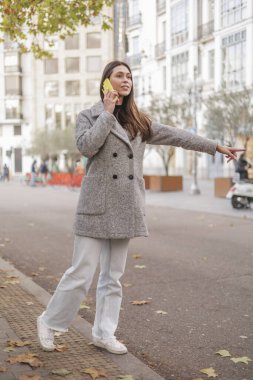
(204, 202)
(21, 301)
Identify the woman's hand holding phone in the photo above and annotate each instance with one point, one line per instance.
(110, 100)
(110, 96)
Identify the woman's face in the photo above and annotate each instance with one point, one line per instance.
(121, 80)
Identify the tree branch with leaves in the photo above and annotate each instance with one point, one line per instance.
(24, 21)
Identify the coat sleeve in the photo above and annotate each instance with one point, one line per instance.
(91, 137)
(166, 135)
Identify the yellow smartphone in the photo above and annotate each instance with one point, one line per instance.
(107, 86)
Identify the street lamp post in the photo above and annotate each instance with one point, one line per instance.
(195, 98)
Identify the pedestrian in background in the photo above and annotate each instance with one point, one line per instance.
(242, 167)
(6, 173)
(111, 208)
(44, 172)
(33, 173)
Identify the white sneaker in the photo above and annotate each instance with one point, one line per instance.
(45, 335)
(110, 344)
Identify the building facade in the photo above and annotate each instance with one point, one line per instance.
(48, 93)
(173, 44)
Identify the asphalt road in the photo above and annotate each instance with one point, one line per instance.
(198, 270)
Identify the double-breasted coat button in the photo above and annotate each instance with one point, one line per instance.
(114, 176)
(115, 154)
(130, 176)
(130, 155)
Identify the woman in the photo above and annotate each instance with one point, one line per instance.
(111, 207)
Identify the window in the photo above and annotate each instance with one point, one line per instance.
(233, 59)
(92, 86)
(68, 115)
(11, 62)
(93, 64)
(93, 40)
(164, 78)
(78, 108)
(49, 115)
(136, 85)
(17, 130)
(51, 66)
(179, 70)
(13, 85)
(179, 23)
(72, 42)
(135, 45)
(51, 88)
(211, 64)
(72, 65)
(58, 114)
(18, 160)
(72, 87)
(233, 11)
(12, 109)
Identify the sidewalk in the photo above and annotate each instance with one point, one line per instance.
(21, 301)
(204, 202)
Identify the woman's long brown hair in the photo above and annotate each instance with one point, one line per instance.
(128, 115)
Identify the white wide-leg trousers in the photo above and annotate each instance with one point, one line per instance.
(76, 281)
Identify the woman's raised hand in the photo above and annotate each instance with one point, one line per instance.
(110, 99)
(231, 153)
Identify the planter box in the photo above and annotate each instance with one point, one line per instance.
(166, 183)
(147, 181)
(221, 186)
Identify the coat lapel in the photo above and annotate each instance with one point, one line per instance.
(117, 130)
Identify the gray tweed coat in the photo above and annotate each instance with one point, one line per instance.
(112, 197)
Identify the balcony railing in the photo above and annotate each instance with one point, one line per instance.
(206, 30)
(160, 6)
(160, 49)
(134, 60)
(134, 20)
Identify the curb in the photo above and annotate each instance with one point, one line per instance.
(127, 363)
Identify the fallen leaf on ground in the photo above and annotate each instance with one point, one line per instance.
(243, 337)
(12, 277)
(30, 377)
(139, 302)
(84, 306)
(3, 369)
(29, 303)
(3, 286)
(210, 372)
(136, 257)
(94, 373)
(34, 274)
(12, 282)
(140, 266)
(61, 372)
(58, 333)
(242, 359)
(18, 343)
(161, 312)
(61, 348)
(125, 377)
(126, 285)
(223, 353)
(9, 349)
(29, 358)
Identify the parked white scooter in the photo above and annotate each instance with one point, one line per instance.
(241, 194)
